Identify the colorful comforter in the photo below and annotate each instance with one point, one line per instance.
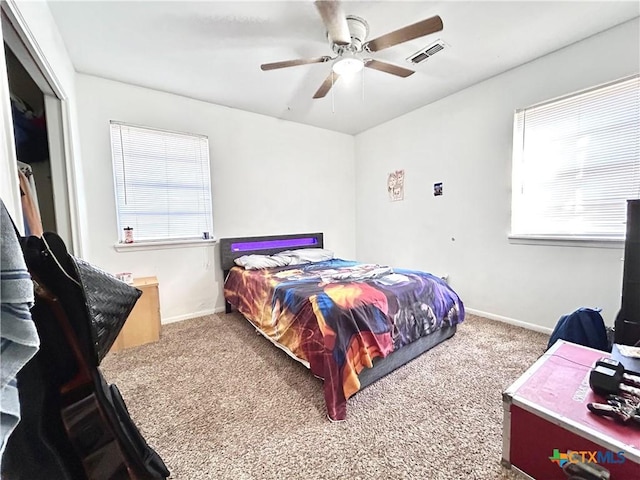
(338, 316)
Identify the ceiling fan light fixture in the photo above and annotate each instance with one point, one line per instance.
(347, 66)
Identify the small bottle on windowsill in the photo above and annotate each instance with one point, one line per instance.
(128, 235)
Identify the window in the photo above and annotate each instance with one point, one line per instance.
(576, 161)
(162, 183)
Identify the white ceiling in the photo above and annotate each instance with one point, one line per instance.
(212, 51)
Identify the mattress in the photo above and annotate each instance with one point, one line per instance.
(339, 317)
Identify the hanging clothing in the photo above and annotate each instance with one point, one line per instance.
(30, 209)
(18, 335)
(30, 132)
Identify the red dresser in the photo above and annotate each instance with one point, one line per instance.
(545, 416)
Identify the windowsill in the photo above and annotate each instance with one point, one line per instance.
(569, 241)
(163, 244)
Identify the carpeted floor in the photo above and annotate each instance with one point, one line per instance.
(218, 401)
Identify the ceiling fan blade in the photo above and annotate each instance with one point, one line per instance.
(294, 63)
(335, 21)
(326, 85)
(417, 30)
(388, 68)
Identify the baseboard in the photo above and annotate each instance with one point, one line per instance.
(510, 321)
(187, 316)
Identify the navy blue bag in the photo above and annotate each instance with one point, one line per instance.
(585, 327)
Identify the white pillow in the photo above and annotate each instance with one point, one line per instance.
(307, 255)
(255, 262)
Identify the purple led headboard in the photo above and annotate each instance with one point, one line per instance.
(253, 246)
(232, 248)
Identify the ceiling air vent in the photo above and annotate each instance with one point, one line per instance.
(428, 51)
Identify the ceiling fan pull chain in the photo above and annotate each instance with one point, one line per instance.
(363, 84)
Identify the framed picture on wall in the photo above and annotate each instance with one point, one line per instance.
(395, 185)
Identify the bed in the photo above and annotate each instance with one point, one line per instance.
(349, 323)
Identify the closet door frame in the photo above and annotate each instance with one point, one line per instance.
(9, 189)
(23, 44)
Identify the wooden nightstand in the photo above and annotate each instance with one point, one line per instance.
(143, 324)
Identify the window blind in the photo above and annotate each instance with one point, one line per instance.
(162, 183)
(576, 161)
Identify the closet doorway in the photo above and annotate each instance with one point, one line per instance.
(36, 113)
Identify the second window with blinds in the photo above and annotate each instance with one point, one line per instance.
(162, 184)
(576, 162)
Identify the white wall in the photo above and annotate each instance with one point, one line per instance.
(465, 142)
(268, 177)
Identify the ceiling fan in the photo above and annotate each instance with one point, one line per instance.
(347, 35)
